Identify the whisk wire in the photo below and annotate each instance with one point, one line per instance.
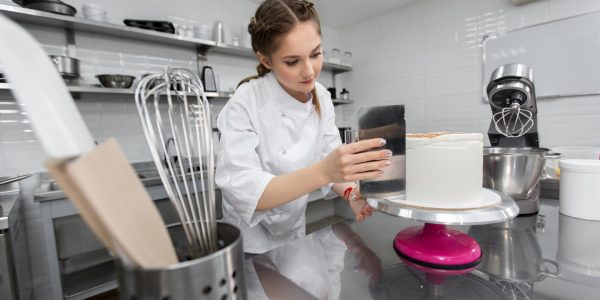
(172, 182)
(149, 130)
(191, 192)
(192, 219)
(513, 122)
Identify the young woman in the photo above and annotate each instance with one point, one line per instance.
(279, 141)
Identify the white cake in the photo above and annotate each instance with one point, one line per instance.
(444, 170)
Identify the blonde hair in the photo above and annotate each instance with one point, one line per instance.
(272, 21)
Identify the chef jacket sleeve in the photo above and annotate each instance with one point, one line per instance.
(331, 137)
(239, 171)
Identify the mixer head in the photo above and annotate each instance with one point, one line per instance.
(511, 94)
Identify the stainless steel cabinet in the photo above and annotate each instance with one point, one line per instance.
(78, 265)
(15, 279)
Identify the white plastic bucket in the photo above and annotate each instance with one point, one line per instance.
(580, 188)
(578, 245)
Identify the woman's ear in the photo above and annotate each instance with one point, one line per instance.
(263, 60)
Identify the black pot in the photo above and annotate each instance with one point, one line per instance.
(52, 6)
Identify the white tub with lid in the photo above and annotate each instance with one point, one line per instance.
(580, 188)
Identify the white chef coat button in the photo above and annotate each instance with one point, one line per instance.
(282, 115)
(283, 151)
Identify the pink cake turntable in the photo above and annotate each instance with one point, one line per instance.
(436, 249)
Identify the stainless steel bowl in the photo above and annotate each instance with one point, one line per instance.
(68, 67)
(514, 171)
(116, 81)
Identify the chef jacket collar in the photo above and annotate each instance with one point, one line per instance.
(282, 97)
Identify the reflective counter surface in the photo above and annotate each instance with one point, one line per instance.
(542, 256)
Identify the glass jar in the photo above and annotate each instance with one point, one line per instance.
(345, 95)
(347, 59)
(335, 56)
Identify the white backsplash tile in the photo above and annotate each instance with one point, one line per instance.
(452, 82)
(436, 11)
(529, 14)
(447, 36)
(22, 157)
(444, 33)
(563, 8)
(89, 108)
(364, 39)
(410, 18)
(450, 58)
(398, 45)
(588, 5)
(405, 87)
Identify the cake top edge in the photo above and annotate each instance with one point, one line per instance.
(430, 134)
(444, 134)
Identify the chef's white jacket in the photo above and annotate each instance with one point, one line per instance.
(265, 132)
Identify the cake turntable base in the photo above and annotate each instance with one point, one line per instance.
(437, 249)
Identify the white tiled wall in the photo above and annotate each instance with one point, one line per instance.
(427, 56)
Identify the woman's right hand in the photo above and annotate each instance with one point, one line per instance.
(353, 162)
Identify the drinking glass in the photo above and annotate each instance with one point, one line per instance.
(351, 136)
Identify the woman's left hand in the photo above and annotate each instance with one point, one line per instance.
(359, 205)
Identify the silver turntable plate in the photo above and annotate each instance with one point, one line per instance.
(504, 210)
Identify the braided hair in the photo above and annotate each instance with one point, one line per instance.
(272, 21)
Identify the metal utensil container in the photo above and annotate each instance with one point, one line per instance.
(68, 67)
(219, 275)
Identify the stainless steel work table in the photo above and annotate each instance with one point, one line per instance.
(357, 261)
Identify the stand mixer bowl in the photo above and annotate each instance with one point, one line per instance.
(514, 171)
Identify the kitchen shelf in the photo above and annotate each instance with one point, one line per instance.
(336, 68)
(338, 102)
(36, 17)
(115, 91)
(31, 16)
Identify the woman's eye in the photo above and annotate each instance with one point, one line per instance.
(291, 63)
(315, 55)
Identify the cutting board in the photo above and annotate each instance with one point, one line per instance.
(112, 200)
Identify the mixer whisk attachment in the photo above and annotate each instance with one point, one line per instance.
(513, 121)
(176, 116)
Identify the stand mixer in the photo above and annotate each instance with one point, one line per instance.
(515, 157)
(511, 94)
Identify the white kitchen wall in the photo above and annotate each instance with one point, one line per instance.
(427, 56)
(116, 115)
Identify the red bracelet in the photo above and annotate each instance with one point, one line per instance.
(347, 193)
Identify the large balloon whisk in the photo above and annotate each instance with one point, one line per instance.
(513, 121)
(174, 111)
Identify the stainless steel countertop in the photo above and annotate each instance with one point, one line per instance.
(49, 190)
(357, 261)
(8, 195)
